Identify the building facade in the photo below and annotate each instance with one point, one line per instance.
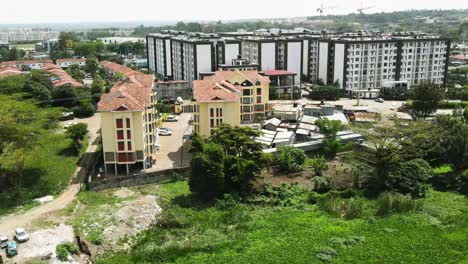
(129, 121)
(229, 97)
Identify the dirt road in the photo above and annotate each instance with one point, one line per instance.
(9, 223)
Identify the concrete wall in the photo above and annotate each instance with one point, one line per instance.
(203, 59)
(231, 52)
(135, 180)
(268, 53)
(339, 63)
(294, 60)
(323, 61)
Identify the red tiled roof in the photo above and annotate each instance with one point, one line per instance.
(132, 94)
(8, 71)
(219, 87)
(62, 77)
(71, 60)
(26, 62)
(115, 67)
(277, 72)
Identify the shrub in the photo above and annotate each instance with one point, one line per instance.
(319, 164)
(95, 237)
(464, 183)
(322, 184)
(290, 159)
(283, 195)
(326, 254)
(389, 203)
(84, 110)
(411, 177)
(342, 208)
(228, 201)
(62, 250)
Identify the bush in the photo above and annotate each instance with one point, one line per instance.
(95, 237)
(389, 203)
(290, 159)
(84, 110)
(283, 195)
(343, 208)
(464, 183)
(411, 177)
(322, 184)
(62, 250)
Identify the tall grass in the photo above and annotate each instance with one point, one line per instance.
(389, 203)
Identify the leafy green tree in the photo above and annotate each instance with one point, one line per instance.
(327, 92)
(426, 99)
(290, 159)
(92, 65)
(75, 72)
(329, 128)
(454, 140)
(411, 177)
(207, 174)
(319, 164)
(77, 133)
(64, 96)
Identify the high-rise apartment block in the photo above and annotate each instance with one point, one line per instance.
(358, 61)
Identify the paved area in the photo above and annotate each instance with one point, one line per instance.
(24, 219)
(173, 153)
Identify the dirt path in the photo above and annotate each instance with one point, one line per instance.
(10, 222)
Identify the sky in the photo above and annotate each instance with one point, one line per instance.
(63, 11)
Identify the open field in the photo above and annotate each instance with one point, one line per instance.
(190, 232)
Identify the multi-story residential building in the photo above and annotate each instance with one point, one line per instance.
(48, 45)
(371, 63)
(129, 121)
(364, 60)
(229, 97)
(160, 54)
(28, 34)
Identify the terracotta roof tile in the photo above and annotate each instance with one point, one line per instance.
(62, 77)
(132, 94)
(8, 71)
(277, 72)
(26, 62)
(71, 60)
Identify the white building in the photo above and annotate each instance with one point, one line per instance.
(28, 34)
(65, 63)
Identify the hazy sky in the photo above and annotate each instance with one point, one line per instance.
(42, 11)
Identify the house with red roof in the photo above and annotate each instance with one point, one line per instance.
(9, 71)
(128, 121)
(229, 97)
(59, 77)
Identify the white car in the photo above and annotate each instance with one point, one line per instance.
(165, 131)
(171, 118)
(3, 241)
(21, 235)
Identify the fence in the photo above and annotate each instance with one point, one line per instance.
(135, 180)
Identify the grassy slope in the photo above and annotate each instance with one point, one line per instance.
(438, 234)
(48, 171)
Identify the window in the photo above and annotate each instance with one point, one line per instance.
(121, 146)
(212, 123)
(246, 92)
(119, 123)
(211, 112)
(129, 134)
(220, 112)
(129, 145)
(259, 99)
(120, 134)
(259, 91)
(128, 122)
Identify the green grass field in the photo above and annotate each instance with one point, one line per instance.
(23, 46)
(189, 232)
(48, 171)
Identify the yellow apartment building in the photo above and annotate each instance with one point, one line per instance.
(229, 97)
(128, 121)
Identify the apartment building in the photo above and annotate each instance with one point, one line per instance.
(160, 54)
(128, 121)
(28, 34)
(371, 63)
(229, 97)
(363, 60)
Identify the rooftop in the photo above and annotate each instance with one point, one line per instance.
(61, 77)
(9, 70)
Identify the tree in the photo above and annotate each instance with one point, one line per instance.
(330, 128)
(98, 87)
(75, 72)
(319, 164)
(290, 159)
(426, 99)
(77, 133)
(328, 92)
(92, 65)
(207, 174)
(411, 177)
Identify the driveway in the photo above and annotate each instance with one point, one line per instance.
(173, 153)
(10, 222)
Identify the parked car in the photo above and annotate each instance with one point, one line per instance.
(379, 100)
(67, 116)
(21, 235)
(171, 118)
(11, 249)
(3, 241)
(163, 131)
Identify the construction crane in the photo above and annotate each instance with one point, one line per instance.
(320, 10)
(361, 25)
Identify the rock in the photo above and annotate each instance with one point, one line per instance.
(45, 199)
